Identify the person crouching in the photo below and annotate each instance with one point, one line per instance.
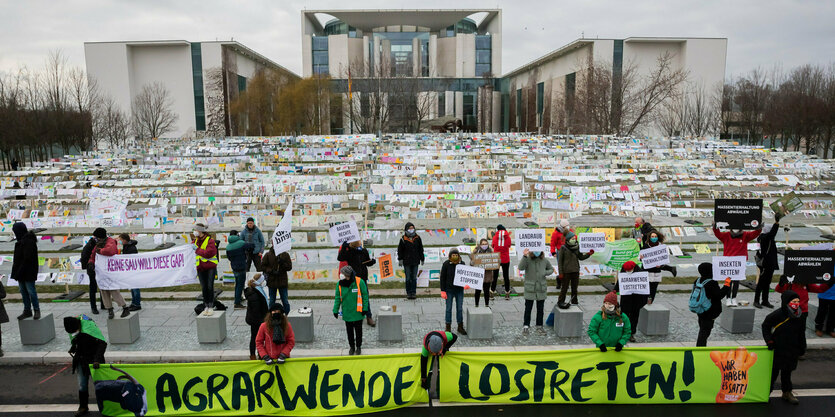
(275, 338)
(609, 327)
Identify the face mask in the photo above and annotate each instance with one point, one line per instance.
(484, 247)
(637, 225)
(454, 258)
(736, 232)
(610, 310)
(537, 253)
(195, 233)
(276, 316)
(794, 306)
(410, 232)
(653, 239)
(342, 276)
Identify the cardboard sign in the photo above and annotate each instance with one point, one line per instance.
(344, 232)
(732, 267)
(655, 256)
(738, 213)
(634, 283)
(531, 239)
(386, 267)
(787, 204)
(809, 266)
(488, 261)
(591, 241)
(468, 277)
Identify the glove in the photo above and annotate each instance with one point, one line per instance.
(591, 251)
(770, 345)
(268, 360)
(336, 315)
(421, 262)
(281, 359)
(727, 282)
(96, 365)
(602, 348)
(560, 276)
(553, 254)
(400, 262)
(424, 383)
(618, 347)
(443, 295)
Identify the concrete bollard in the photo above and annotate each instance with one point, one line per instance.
(37, 332)
(737, 319)
(654, 320)
(479, 323)
(123, 330)
(211, 329)
(302, 325)
(389, 326)
(568, 322)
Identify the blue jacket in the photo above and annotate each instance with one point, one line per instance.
(828, 294)
(255, 237)
(236, 253)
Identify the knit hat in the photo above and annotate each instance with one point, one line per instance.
(629, 266)
(276, 306)
(200, 227)
(435, 344)
(564, 223)
(706, 270)
(500, 227)
(250, 219)
(408, 225)
(347, 271)
(72, 324)
(611, 298)
(569, 235)
(100, 233)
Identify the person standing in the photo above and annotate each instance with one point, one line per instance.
(655, 238)
(825, 319)
(252, 235)
(489, 275)
(501, 244)
(641, 231)
(275, 337)
(706, 290)
(452, 293)
(87, 347)
(205, 250)
(92, 286)
(25, 269)
(275, 268)
(129, 248)
(236, 253)
(631, 304)
(352, 298)
(409, 256)
(359, 260)
(557, 240)
(735, 243)
(610, 327)
(256, 309)
(536, 268)
(768, 253)
(785, 333)
(4, 317)
(107, 246)
(569, 268)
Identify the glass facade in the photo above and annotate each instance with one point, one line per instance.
(197, 81)
(540, 102)
(241, 83)
(338, 27)
(402, 52)
(320, 54)
(519, 109)
(441, 104)
(483, 55)
(463, 26)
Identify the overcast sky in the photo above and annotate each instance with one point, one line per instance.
(759, 32)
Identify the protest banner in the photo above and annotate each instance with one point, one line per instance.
(591, 241)
(633, 283)
(809, 266)
(787, 204)
(738, 213)
(282, 237)
(655, 256)
(164, 268)
(616, 253)
(531, 239)
(588, 376)
(344, 232)
(386, 268)
(487, 261)
(732, 267)
(468, 277)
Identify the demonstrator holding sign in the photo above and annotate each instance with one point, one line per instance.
(735, 243)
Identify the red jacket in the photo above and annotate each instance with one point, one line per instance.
(501, 244)
(736, 246)
(110, 248)
(801, 291)
(209, 253)
(266, 347)
(557, 240)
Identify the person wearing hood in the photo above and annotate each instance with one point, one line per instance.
(275, 337)
(768, 253)
(205, 250)
(256, 309)
(714, 295)
(537, 269)
(359, 260)
(557, 240)
(436, 344)
(569, 258)
(785, 333)
(610, 328)
(501, 244)
(87, 347)
(735, 243)
(107, 246)
(25, 270)
(93, 288)
(489, 275)
(275, 269)
(252, 235)
(129, 248)
(351, 298)
(236, 252)
(409, 256)
(653, 239)
(451, 292)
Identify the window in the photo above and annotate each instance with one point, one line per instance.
(483, 55)
(320, 55)
(241, 84)
(442, 104)
(540, 102)
(469, 112)
(519, 109)
(197, 83)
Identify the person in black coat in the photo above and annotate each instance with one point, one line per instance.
(4, 318)
(452, 293)
(715, 295)
(87, 348)
(359, 260)
(409, 256)
(25, 269)
(768, 251)
(631, 304)
(784, 332)
(91, 273)
(256, 310)
(129, 248)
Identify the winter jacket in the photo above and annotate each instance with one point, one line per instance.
(86, 252)
(4, 317)
(536, 269)
(448, 276)
(607, 330)
(236, 253)
(266, 347)
(410, 249)
(488, 275)
(557, 240)
(208, 253)
(110, 248)
(642, 234)
(799, 289)
(569, 259)
(345, 298)
(501, 244)
(25, 261)
(275, 268)
(129, 248)
(256, 306)
(736, 246)
(787, 334)
(358, 258)
(768, 248)
(715, 294)
(825, 292)
(253, 237)
(86, 350)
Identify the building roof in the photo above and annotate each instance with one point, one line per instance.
(368, 19)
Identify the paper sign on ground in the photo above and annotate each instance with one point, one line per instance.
(634, 283)
(655, 256)
(732, 267)
(591, 241)
(344, 232)
(468, 277)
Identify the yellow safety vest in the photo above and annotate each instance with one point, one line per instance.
(202, 259)
(359, 295)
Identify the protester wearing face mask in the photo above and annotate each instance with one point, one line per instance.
(784, 332)
(206, 251)
(536, 268)
(129, 248)
(769, 264)
(352, 298)
(256, 309)
(501, 244)
(641, 231)
(714, 296)
(275, 337)
(557, 240)
(609, 328)
(410, 256)
(359, 260)
(489, 276)
(451, 292)
(655, 238)
(735, 243)
(569, 268)
(631, 304)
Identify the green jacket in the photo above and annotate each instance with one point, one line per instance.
(606, 331)
(348, 301)
(536, 286)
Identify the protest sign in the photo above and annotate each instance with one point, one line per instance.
(655, 256)
(344, 232)
(591, 241)
(738, 213)
(531, 239)
(386, 268)
(282, 240)
(468, 276)
(810, 266)
(164, 268)
(732, 267)
(634, 283)
(488, 261)
(616, 253)
(787, 204)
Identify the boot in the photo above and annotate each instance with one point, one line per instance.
(110, 314)
(351, 351)
(449, 327)
(461, 329)
(818, 333)
(26, 314)
(94, 309)
(359, 351)
(371, 321)
(674, 270)
(790, 398)
(37, 315)
(83, 398)
(766, 304)
(252, 357)
(125, 312)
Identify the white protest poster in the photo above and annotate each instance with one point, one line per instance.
(468, 276)
(634, 283)
(655, 256)
(423, 278)
(531, 239)
(732, 267)
(591, 241)
(164, 268)
(344, 232)
(282, 240)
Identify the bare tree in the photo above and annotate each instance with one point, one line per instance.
(113, 124)
(153, 113)
(638, 104)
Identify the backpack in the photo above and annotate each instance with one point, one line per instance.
(699, 303)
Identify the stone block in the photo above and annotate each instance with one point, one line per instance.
(479, 323)
(302, 325)
(389, 326)
(123, 330)
(737, 319)
(568, 322)
(654, 320)
(211, 329)
(37, 332)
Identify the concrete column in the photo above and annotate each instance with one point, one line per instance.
(449, 105)
(415, 57)
(365, 55)
(433, 55)
(459, 105)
